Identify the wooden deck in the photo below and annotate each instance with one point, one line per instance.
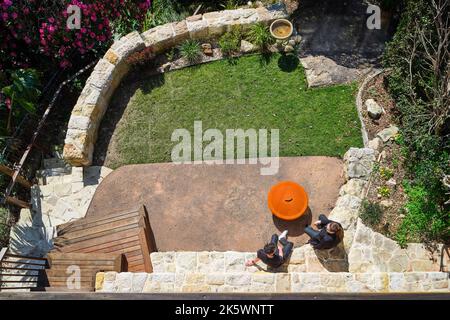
(126, 233)
(118, 241)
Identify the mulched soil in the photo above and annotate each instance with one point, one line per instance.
(389, 172)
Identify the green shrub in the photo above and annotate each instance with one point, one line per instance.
(230, 42)
(4, 227)
(190, 50)
(384, 191)
(260, 36)
(386, 173)
(371, 213)
(230, 4)
(22, 95)
(424, 220)
(417, 81)
(162, 12)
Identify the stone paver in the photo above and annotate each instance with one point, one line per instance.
(63, 195)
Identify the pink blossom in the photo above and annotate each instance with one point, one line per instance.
(8, 103)
(64, 64)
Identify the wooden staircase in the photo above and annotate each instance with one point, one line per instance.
(126, 233)
(76, 271)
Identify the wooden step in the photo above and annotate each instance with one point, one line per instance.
(124, 233)
(65, 289)
(89, 222)
(95, 245)
(89, 264)
(110, 226)
(63, 278)
(86, 285)
(63, 241)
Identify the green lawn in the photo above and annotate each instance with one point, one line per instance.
(245, 94)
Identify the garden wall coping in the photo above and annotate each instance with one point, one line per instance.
(94, 99)
(380, 282)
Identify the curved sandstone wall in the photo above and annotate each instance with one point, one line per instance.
(109, 71)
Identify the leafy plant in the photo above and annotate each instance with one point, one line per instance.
(230, 41)
(22, 94)
(4, 227)
(395, 160)
(230, 4)
(162, 12)
(171, 54)
(260, 36)
(376, 167)
(190, 50)
(371, 213)
(424, 220)
(386, 173)
(384, 191)
(141, 57)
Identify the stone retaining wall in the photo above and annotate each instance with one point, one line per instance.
(109, 71)
(272, 282)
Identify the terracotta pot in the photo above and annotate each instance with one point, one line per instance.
(281, 29)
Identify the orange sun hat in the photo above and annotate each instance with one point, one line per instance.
(287, 200)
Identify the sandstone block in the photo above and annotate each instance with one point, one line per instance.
(234, 261)
(186, 261)
(124, 47)
(197, 27)
(159, 38)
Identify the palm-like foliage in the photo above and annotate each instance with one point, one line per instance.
(260, 36)
(21, 94)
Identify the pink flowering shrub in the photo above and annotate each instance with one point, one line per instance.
(32, 28)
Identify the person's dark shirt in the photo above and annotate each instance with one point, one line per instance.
(274, 262)
(324, 240)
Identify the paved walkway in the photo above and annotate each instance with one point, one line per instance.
(217, 207)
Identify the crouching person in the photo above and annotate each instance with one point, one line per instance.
(328, 235)
(274, 254)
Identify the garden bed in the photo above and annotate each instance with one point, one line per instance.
(384, 206)
(250, 92)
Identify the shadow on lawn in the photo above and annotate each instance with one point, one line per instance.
(146, 80)
(288, 62)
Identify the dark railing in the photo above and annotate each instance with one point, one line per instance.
(15, 169)
(18, 272)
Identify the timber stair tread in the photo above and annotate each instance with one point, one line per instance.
(125, 233)
(65, 268)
